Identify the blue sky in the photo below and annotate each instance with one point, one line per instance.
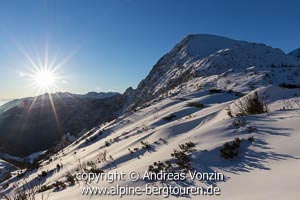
(115, 43)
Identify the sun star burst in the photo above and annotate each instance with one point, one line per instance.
(45, 79)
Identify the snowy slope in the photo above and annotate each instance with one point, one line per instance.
(275, 147)
(196, 109)
(5, 169)
(202, 45)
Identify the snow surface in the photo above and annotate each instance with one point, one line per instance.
(5, 169)
(267, 168)
(202, 45)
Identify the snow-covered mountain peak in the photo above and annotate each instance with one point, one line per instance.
(242, 57)
(205, 55)
(202, 45)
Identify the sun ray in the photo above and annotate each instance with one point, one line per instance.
(32, 104)
(51, 65)
(65, 60)
(38, 57)
(21, 48)
(46, 56)
(45, 79)
(54, 112)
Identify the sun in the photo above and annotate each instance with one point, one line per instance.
(44, 74)
(44, 79)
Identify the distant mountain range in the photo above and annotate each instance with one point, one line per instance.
(37, 123)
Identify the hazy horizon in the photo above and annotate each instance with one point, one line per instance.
(4, 101)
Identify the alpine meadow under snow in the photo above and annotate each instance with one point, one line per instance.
(236, 104)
